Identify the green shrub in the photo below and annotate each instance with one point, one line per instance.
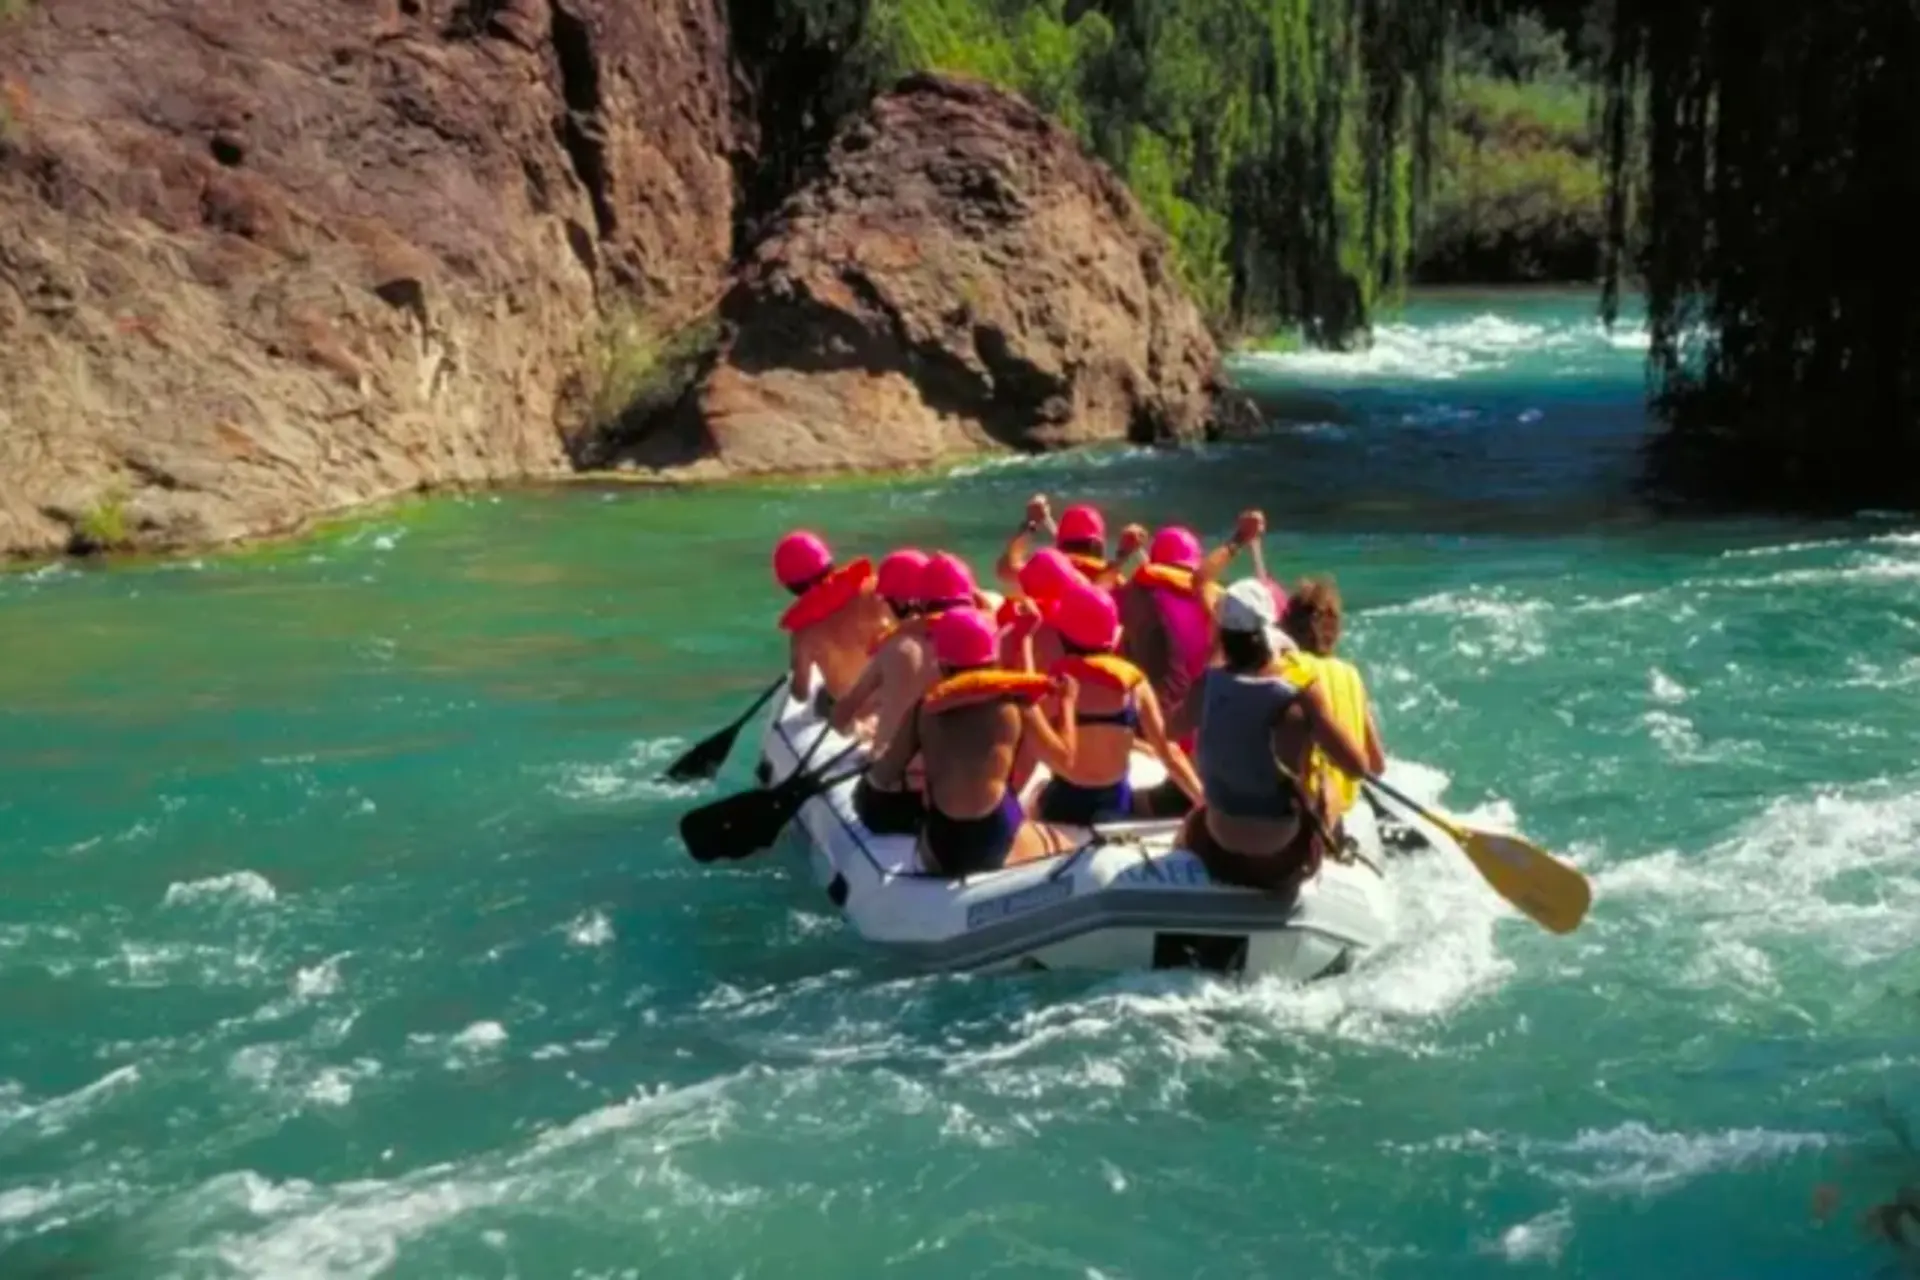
(636, 369)
(102, 527)
(1520, 193)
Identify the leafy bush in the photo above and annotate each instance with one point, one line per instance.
(637, 368)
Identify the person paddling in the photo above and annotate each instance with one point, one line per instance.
(968, 729)
(895, 654)
(835, 619)
(1256, 730)
(1081, 536)
(1312, 618)
(1116, 708)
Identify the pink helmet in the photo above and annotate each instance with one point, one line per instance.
(946, 580)
(1175, 545)
(1079, 524)
(1047, 574)
(800, 557)
(1087, 618)
(965, 638)
(900, 575)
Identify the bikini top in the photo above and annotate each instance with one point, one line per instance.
(1109, 671)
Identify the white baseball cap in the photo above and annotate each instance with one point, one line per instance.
(1248, 606)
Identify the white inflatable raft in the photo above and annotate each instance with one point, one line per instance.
(1124, 900)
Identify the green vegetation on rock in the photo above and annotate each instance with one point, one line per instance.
(1278, 142)
(1519, 193)
(1284, 145)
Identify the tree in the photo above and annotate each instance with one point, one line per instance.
(1780, 177)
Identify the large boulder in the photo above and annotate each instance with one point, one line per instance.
(959, 275)
(261, 260)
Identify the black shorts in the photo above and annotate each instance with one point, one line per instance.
(887, 813)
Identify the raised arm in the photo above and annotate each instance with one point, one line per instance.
(1133, 541)
(1038, 520)
(1250, 526)
(1056, 747)
(1153, 726)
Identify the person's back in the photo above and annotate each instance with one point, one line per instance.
(905, 666)
(892, 679)
(836, 617)
(1116, 709)
(839, 644)
(1254, 733)
(967, 732)
(1166, 619)
(969, 753)
(1238, 714)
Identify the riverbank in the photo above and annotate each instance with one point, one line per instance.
(1439, 334)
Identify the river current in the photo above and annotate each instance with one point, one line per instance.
(344, 932)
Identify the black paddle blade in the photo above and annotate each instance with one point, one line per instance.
(741, 825)
(705, 757)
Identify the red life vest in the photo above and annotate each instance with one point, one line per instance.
(834, 592)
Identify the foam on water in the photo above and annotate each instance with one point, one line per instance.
(1482, 346)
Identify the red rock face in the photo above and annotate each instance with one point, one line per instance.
(263, 260)
(961, 275)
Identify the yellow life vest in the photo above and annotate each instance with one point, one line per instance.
(1345, 694)
(994, 684)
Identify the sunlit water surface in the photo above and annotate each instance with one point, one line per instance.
(343, 930)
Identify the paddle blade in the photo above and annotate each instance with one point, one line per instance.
(1553, 894)
(705, 757)
(740, 825)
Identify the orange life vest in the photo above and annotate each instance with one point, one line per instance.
(993, 684)
(1107, 670)
(1166, 576)
(1092, 566)
(830, 595)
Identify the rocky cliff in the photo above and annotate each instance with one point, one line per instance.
(259, 262)
(262, 261)
(959, 275)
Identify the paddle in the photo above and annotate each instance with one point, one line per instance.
(706, 756)
(743, 824)
(1553, 894)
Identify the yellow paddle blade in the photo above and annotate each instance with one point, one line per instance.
(1546, 889)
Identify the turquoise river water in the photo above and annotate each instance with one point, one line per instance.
(344, 932)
